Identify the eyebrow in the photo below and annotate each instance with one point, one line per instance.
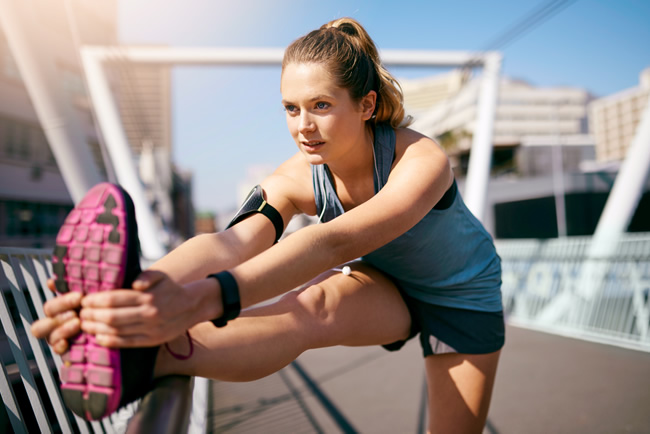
(316, 98)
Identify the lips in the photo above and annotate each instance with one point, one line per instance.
(312, 144)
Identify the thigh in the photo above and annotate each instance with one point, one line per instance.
(460, 388)
(363, 308)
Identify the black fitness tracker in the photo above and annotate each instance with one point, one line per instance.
(229, 298)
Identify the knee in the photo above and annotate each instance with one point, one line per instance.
(311, 305)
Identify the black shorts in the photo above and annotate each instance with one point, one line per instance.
(451, 330)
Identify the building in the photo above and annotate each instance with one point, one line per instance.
(522, 110)
(33, 197)
(545, 180)
(614, 119)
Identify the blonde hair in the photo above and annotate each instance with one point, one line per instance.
(344, 47)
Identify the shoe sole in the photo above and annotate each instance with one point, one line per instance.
(96, 250)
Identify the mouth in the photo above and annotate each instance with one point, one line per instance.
(312, 144)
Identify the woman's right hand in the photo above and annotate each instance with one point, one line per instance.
(61, 322)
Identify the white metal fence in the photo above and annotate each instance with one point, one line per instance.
(553, 285)
(29, 380)
(29, 369)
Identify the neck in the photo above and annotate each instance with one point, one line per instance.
(354, 175)
(358, 164)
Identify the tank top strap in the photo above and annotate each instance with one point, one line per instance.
(384, 146)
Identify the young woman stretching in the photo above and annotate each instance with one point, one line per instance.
(388, 207)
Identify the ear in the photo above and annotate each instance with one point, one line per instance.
(368, 103)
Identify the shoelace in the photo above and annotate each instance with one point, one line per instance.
(181, 356)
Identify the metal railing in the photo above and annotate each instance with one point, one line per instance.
(556, 286)
(29, 369)
(549, 285)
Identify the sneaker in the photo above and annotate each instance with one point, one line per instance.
(97, 249)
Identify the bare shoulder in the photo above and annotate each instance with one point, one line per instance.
(411, 145)
(291, 182)
(408, 139)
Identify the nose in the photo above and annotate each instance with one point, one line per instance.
(306, 123)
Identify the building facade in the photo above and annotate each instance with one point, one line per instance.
(522, 109)
(613, 119)
(34, 199)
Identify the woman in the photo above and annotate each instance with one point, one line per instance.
(383, 193)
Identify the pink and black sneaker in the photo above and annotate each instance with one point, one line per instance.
(97, 249)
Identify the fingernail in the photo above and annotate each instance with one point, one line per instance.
(60, 347)
(101, 340)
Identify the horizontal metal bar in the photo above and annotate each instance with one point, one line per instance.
(268, 56)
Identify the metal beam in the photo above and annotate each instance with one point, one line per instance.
(626, 192)
(271, 56)
(120, 153)
(478, 172)
(479, 166)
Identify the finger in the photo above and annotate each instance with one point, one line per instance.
(115, 298)
(116, 317)
(147, 279)
(51, 285)
(43, 327)
(62, 303)
(95, 328)
(60, 347)
(67, 330)
(135, 341)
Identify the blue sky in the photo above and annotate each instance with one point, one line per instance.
(227, 119)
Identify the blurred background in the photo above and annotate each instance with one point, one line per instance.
(573, 86)
(567, 194)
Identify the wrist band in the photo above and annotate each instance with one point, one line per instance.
(229, 297)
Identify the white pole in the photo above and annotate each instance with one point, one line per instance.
(120, 153)
(626, 192)
(38, 71)
(478, 172)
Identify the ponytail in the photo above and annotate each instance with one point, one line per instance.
(350, 55)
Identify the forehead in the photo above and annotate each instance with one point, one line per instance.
(305, 80)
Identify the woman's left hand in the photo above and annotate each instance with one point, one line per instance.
(155, 311)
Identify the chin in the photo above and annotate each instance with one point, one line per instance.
(314, 159)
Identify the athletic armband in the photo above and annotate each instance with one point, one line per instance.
(254, 203)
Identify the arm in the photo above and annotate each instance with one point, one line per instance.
(420, 177)
(191, 261)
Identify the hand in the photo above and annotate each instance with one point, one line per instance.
(61, 322)
(154, 312)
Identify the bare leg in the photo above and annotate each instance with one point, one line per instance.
(460, 388)
(364, 308)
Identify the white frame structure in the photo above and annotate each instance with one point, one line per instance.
(95, 57)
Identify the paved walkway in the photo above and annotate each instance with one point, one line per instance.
(545, 384)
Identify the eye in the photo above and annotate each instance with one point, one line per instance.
(322, 105)
(291, 109)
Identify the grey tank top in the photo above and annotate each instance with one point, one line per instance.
(447, 258)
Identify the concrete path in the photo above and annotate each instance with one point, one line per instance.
(545, 384)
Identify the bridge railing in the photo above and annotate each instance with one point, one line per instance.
(549, 285)
(556, 286)
(29, 369)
